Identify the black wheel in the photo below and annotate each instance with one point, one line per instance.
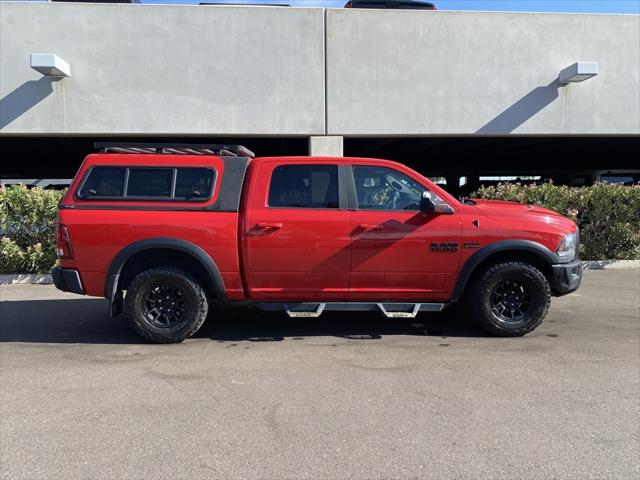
(165, 305)
(509, 299)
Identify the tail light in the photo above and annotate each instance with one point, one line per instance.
(63, 242)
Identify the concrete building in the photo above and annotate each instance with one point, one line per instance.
(448, 92)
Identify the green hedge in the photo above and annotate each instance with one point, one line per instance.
(27, 229)
(608, 214)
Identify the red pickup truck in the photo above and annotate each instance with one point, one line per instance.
(165, 231)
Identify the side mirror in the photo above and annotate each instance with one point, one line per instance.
(428, 205)
(443, 208)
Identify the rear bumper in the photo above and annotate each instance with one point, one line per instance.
(67, 280)
(567, 277)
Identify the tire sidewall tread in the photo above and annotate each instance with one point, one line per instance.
(480, 309)
(137, 321)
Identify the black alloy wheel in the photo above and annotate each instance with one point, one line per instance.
(164, 305)
(511, 301)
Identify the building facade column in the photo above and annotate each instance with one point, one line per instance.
(326, 146)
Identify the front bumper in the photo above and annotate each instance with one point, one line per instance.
(567, 277)
(67, 280)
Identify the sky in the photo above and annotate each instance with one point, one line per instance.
(590, 6)
(582, 6)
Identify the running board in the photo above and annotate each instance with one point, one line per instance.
(389, 310)
(297, 312)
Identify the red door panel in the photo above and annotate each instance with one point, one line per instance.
(296, 253)
(394, 260)
(397, 250)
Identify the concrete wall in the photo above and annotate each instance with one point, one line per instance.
(151, 69)
(416, 73)
(193, 70)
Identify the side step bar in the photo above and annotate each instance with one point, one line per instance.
(389, 310)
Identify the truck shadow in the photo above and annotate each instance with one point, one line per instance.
(82, 320)
(88, 321)
(256, 326)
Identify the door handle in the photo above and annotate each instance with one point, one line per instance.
(270, 225)
(264, 228)
(371, 226)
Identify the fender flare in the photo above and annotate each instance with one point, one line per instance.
(472, 263)
(112, 291)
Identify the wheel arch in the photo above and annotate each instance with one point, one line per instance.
(131, 259)
(505, 250)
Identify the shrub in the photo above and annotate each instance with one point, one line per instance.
(608, 217)
(608, 214)
(27, 229)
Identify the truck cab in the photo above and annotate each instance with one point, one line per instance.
(164, 232)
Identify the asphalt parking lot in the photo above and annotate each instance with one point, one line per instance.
(343, 396)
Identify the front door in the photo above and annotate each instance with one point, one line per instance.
(398, 252)
(297, 236)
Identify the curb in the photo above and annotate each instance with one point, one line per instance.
(611, 264)
(26, 279)
(45, 278)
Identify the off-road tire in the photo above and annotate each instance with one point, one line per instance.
(195, 300)
(479, 301)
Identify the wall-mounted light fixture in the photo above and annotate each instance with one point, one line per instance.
(50, 65)
(578, 72)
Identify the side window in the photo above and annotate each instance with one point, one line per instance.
(104, 182)
(194, 183)
(149, 182)
(304, 186)
(382, 188)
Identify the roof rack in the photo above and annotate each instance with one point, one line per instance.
(175, 148)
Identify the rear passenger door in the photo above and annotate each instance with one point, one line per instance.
(298, 234)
